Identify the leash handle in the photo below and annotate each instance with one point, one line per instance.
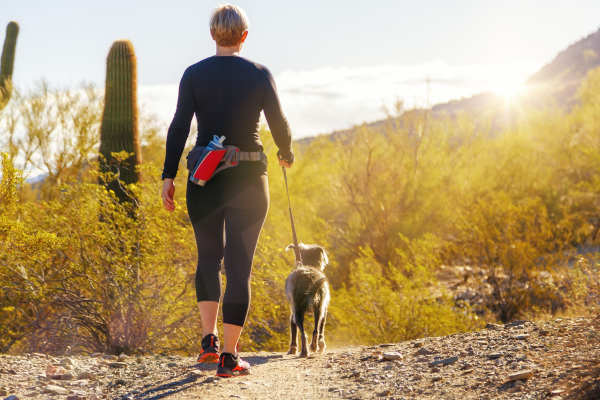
(294, 236)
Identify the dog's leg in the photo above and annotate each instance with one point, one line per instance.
(322, 331)
(300, 323)
(294, 333)
(315, 336)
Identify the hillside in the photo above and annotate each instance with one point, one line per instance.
(556, 83)
(563, 75)
(549, 360)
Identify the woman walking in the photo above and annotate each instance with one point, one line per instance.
(226, 92)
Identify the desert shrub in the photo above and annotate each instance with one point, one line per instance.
(390, 203)
(372, 308)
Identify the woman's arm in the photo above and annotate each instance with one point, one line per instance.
(278, 124)
(180, 126)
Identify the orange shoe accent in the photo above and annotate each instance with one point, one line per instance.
(208, 358)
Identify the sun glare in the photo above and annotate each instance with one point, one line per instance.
(510, 91)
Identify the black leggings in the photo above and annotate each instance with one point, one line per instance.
(227, 215)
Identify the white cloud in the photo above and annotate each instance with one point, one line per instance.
(325, 99)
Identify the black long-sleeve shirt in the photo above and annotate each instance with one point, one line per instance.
(227, 94)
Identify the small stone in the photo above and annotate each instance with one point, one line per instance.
(54, 389)
(445, 361)
(117, 364)
(85, 375)
(76, 397)
(171, 364)
(523, 374)
(521, 357)
(522, 337)
(492, 326)
(67, 361)
(515, 389)
(386, 345)
(424, 352)
(435, 369)
(57, 372)
(556, 392)
(493, 356)
(436, 378)
(3, 392)
(392, 355)
(384, 393)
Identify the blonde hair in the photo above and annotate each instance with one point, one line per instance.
(227, 24)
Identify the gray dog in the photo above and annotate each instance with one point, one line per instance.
(307, 290)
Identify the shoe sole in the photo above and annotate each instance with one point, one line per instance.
(208, 358)
(235, 372)
(224, 375)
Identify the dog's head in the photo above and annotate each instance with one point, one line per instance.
(312, 255)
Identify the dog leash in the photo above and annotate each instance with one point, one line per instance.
(296, 248)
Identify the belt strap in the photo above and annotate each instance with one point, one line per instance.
(250, 156)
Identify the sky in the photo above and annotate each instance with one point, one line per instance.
(336, 63)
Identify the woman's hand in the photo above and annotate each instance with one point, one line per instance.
(284, 163)
(168, 192)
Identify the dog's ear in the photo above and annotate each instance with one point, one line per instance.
(324, 257)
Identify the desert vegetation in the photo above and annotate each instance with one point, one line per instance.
(90, 261)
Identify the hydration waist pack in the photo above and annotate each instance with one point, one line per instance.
(204, 162)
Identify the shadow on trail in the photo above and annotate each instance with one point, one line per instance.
(193, 375)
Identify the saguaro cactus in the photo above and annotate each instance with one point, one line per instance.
(8, 62)
(119, 128)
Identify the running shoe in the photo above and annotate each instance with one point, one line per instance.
(231, 365)
(210, 349)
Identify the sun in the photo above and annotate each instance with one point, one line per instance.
(509, 90)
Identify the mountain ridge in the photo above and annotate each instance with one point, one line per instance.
(556, 82)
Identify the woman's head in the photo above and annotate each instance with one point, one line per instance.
(228, 25)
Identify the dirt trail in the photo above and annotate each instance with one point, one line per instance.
(558, 359)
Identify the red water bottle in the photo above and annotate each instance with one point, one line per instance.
(208, 161)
